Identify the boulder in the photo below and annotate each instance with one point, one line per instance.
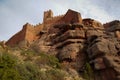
(70, 52)
(93, 32)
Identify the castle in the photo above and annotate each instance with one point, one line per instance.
(31, 33)
(76, 42)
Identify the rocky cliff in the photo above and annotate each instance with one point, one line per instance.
(85, 45)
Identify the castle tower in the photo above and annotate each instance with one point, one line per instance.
(47, 15)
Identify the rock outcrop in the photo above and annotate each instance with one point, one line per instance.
(76, 41)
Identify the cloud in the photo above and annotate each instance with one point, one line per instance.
(15, 13)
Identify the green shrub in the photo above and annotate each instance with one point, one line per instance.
(12, 69)
(9, 74)
(52, 74)
(7, 67)
(55, 74)
(49, 60)
(88, 72)
(28, 71)
(27, 52)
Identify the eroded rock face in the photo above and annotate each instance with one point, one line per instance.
(72, 43)
(103, 52)
(68, 43)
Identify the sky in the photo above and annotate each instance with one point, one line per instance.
(15, 13)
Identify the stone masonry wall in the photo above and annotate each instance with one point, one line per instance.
(31, 33)
(20, 36)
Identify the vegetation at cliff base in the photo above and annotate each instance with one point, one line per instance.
(26, 64)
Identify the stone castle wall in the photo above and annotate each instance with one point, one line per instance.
(38, 28)
(28, 33)
(51, 21)
(20, 36)
(33, 32)
(72, 17)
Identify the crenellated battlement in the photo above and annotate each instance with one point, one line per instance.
(48, 11)
(47, 14)
(37, 24)
(28, 25)
(55, 17)
(58, 16)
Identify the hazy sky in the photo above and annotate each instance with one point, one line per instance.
(15, 13)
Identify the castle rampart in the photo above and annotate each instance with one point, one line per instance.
(32, 32)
